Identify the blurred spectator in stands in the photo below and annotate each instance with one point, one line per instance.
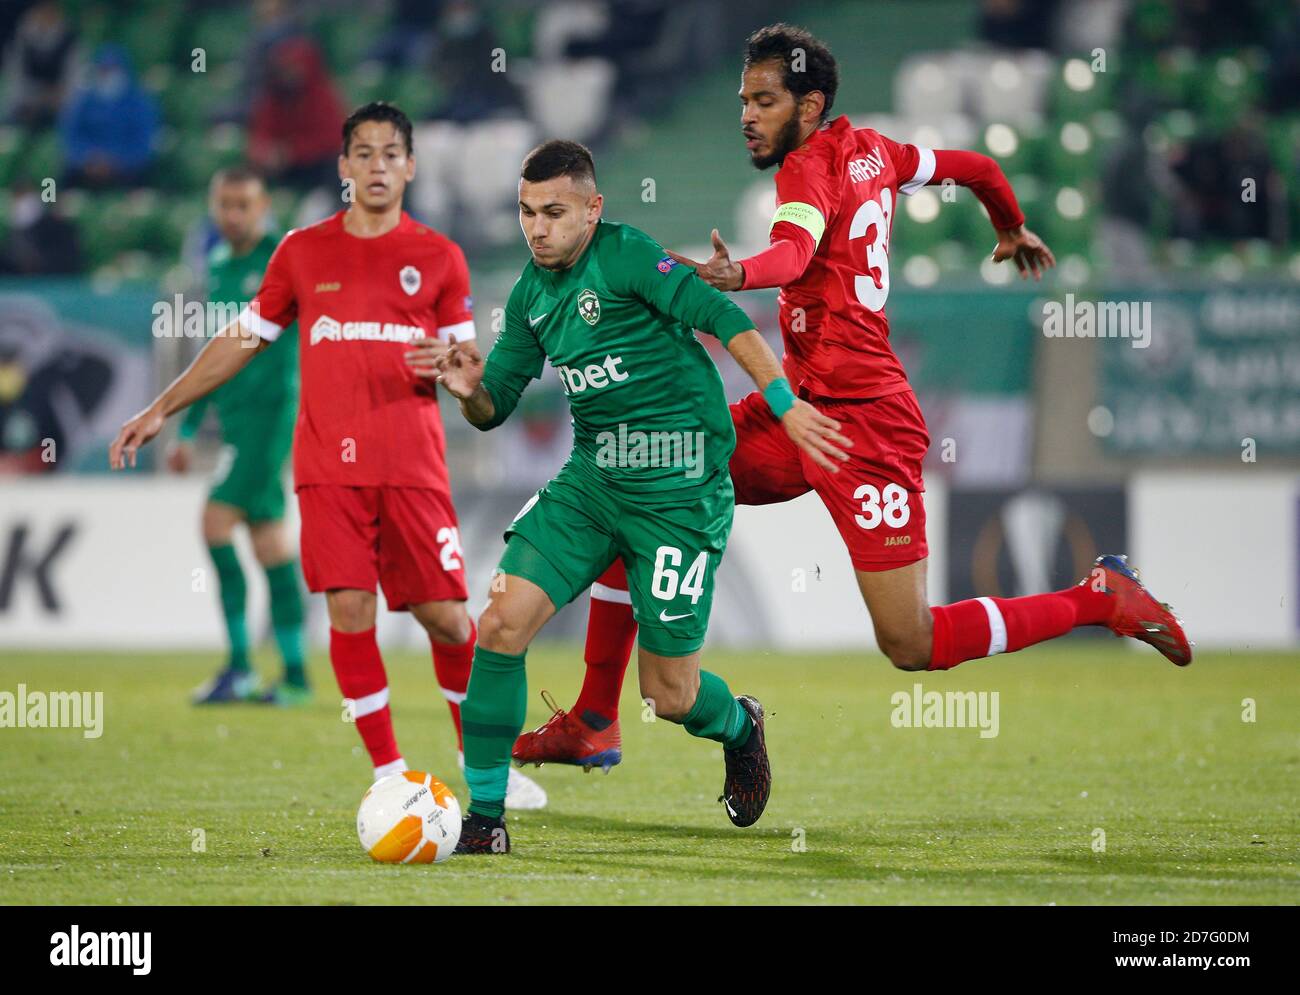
(464, 65)
(1284, 62)
(109, 125)
(1017, 23)
(39, 66)
(40, 239)
(294, 127)
(411, 35)
(1211, 171)
(653, 44)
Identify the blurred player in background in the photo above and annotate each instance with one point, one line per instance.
(256, 411)
(837, 189)
(369, 454)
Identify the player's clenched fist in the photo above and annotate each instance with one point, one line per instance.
(817, 435)
(134, 434)
(460, 369)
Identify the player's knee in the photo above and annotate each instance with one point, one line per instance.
(351, 611)
(218, 528)
(270, 546)
(500, 633)
(445, 622)
(906, 651)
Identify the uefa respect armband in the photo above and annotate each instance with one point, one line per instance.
(805, 216)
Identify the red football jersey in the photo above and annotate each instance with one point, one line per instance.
(364, 419)
(842, 186)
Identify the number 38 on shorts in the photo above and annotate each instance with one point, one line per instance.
(888, 506)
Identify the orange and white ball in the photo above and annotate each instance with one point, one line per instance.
(409, 818)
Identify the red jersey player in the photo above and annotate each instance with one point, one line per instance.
(369, 455)
(837, 192)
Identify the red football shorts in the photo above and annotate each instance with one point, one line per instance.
(875, 499)
(403, 538)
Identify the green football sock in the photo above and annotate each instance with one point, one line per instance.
(492, 715)
(717, 715)
(234, 596)
(287, 620)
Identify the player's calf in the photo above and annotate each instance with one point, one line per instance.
(670, 688)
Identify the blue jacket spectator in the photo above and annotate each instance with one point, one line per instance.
(109, 125)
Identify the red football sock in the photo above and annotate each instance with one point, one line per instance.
(983, 627)
(611, 631)
(451, 665)
(360, 672)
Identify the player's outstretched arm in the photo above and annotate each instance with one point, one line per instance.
(460, 370)
(809, 429)
(984, 177)
(224, 356)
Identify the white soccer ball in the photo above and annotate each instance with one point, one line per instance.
(409, 818)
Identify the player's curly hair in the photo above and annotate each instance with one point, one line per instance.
(559, 157)
(806, 63)
(379, 110)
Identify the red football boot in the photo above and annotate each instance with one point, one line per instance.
(1138, 614)
(564, 738)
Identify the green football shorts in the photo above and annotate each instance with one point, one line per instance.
(575, 526)
(250, 468)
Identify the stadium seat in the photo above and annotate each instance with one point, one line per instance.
(487, 170)
(437, 152)
(558, 24)
(753, 218)
(570, 98)
(1010, 87)
(12, 150)
(927, 86)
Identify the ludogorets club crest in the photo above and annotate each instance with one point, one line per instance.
(410, 277)
(589, 306)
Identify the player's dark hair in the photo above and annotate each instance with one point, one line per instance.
(378, 110)
(559, 157)
(237, 174)
(806, 63)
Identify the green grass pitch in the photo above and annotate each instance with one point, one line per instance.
(1196, 805)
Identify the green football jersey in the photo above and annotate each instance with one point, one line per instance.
(649, 411)
(271, 378)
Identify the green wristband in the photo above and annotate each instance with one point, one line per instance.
(779, 396)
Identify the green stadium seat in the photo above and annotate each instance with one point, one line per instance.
(416, 92)
(368, 81)
(1224, 89)
(223, 35)
(150, 35)
(44, 157)
(12, 151)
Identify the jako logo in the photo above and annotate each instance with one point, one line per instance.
(78, 949)
(595, 375)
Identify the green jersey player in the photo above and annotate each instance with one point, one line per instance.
(256, 411)
(647, 479)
